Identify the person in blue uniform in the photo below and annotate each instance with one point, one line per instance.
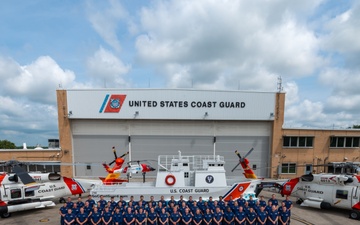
(288, 204)
(268, 207)
(81, 217)
(241, 201)
(251, 217)
(273, 216)
(140, 217)
(190, 201)
(123, 202)
(90, 201)
(235, 207)
(117, 217)
(172, 200)
(200, 203)
(262, 216)
(240, 216)
(163, 217)
(251, 202)
(228, 216)
(163, 201)
(197, 217)
(80, 203)
(87, 209)
(75, 209)
(186, 218)
(69, 218)
(152, 217)
(69, 203)
(106, 216)
(152, 202)
(129, 217)
(210, 201)
(175, 217)
(62, 211)
(113, 203)
(95, 217)
(102, 201)
(182, 208)
(218, 216)
(262, 201)
(159, 208)
(208, 217)
(284, 216)
(230, 202)
(273, 200)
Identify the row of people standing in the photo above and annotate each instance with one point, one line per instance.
(251, 211)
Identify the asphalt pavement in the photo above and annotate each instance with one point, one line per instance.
(300, 215)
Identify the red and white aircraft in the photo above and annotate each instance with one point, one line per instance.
(113, 176)
(19, 191)
(326, 190)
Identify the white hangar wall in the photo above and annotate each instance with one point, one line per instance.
(154, 131)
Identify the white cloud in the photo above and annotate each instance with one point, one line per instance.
(36, 81)
(228, 42)
(106, 21)
(104, 66)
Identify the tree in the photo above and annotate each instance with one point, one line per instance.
(5, 144)
(356, 126)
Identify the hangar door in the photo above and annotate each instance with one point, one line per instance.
(92, 150)
(259, 157)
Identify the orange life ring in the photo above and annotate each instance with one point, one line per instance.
(171, 178)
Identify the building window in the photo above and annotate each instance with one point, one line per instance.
(344, 142)
(186, 175)
(343, 194)
(288, 168)
(298, 142)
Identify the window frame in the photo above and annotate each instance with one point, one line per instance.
(343, 142)
(290, 167)
(288, 141)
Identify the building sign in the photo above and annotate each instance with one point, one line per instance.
(170, 104)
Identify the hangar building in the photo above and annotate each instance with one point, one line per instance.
(152, 122)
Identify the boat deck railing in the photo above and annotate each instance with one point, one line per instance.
(195, 162)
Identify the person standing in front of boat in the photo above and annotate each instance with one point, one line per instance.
(228, 216)
(208, 217)
(218, 216)
(175, 217)
(251, 217)
(118, 217)
(140, 217)
(129, 217)
(197, 217)
(240, 216)
(152, 217)
(186, 217)
(163, 217)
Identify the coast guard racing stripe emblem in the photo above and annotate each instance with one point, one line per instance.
(112, 103)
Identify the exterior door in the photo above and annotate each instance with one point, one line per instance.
(308, 168)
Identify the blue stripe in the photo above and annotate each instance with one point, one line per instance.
(104, 103)
(79, 185)
(230, 190)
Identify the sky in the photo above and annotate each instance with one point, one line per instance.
(313, 45)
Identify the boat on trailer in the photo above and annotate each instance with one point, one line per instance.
(178, 175)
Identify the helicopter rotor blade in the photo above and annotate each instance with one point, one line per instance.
(24, 176)
(111, 163)
(235, 167)
(114, 150)
(123, 155)
(238, 154)
(249, 152)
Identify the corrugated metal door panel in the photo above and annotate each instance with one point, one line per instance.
(97, 149)
(149, 147)
(226, 146)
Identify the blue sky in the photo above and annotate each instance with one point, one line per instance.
(207, 44)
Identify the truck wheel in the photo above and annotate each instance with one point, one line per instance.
(354, 214)
(5, 215)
